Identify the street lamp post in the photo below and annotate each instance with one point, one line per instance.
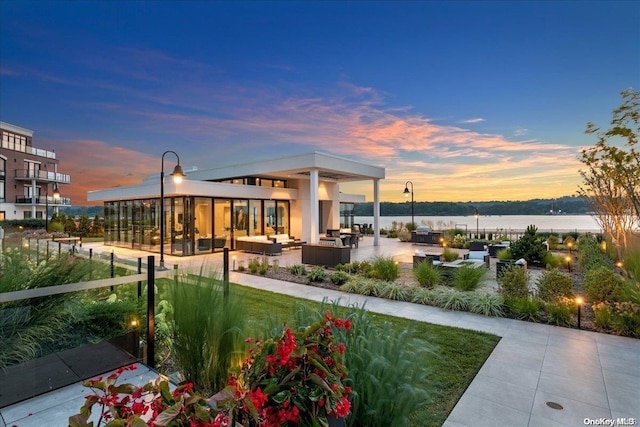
(477, 214)
(56, 196)
(177, 178)
(406, 193)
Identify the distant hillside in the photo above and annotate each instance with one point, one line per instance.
(563, 205)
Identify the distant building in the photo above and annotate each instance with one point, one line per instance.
(28, 176)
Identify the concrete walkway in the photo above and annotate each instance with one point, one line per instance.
(593, 377)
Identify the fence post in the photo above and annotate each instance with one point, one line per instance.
(175, 274)
(112, 269)
(47, 249)
(151, 285)
(38, 251)
(225, 274)
(59, 249)
(139, 281)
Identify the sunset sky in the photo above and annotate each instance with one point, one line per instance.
(471, 101)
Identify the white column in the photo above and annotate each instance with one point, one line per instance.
(313, 206)
(376, 212)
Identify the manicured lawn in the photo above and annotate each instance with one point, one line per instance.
(456, 358)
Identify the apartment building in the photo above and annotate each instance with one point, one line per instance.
(30, 184)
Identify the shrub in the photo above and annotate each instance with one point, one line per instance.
(350, 267)
(488, 304)
(264, 267)
(297, 269)
(553, 284)
(529, 246)
(448, 255)
(514, 282)
(553, 242)
(207, 333)
(395, 291)
(603, 285)
(423, 296)
(450, 299)
(254, 265)
(504, 254)
(590, 254)
(316, 274)
(404, 236)
(339, 277)
(467, 278)
(602, 317)
(552, 260)
(459, 241)
(275, 266)
(384, 268)
(427, 274)
(560, 312)
(525, 308)
(625, 319)
(631, 264)
(363, 286)
(392, 234)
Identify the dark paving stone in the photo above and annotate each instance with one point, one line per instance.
(95, 359)
(32, 378)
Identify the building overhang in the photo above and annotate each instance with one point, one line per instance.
(330, 168)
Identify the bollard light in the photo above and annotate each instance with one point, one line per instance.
(568, 259)
(579, 302)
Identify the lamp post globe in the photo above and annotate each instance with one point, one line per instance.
(406, 193)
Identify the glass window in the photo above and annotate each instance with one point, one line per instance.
(221, 224)
(269, 217)
(203, 224)
(255, 217)
(240, 217)
(282, 217)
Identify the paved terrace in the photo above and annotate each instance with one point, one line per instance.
(592, 376)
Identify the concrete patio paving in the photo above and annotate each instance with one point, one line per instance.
(593, 377)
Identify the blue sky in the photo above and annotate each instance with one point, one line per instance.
(468, 100)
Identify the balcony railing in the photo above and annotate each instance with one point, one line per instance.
(42, 200)
(29, 150)
(43, 175)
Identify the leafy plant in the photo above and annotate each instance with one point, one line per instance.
(603, 285)
(504, 254)
(395, 291)
(485, 303)
(384, 268)
(525, 307)
(297, 270)
(560, 312)
(275, 266)
(423, 296)
(254, 265)
(427, 274)
(602, 316)
(625, 319)
(467, 278)
(450, 299)
(316, 274)
(529, 246)
(514, 281)
(264, 267)
(553, 284)
(448, 255)
(552, 260)
(207, 332)
(339, 277)
(553, 242)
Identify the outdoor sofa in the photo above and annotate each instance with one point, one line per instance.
(258, 245)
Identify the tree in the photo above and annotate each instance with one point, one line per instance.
(530, 247)
(612, 178)
(84, 225)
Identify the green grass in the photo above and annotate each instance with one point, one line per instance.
(458, 354)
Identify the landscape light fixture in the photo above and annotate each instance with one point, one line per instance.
(406, 193)
(177, 175)
(56, 196)
(568, 259)
(579, 302)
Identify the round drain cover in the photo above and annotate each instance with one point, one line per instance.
(554, 405)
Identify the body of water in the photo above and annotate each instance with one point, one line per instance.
(492, 223)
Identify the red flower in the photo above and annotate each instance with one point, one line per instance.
(258, 398)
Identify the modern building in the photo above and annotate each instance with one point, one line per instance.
(296, 195)
(29, 176)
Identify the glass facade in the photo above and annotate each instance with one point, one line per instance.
(346, 215)
(193, 225)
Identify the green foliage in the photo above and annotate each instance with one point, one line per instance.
(254, 265)
(109, 318)
(427, 274)
(404, 236)
(553, 242)
(631, 265)
(529, 246)
(388, 386)
(207, 331)
(263, 267)
(459, 241)
(384, 268)
(450, 299)
(560, 312)
(487, 304)
(525, 308)
(423, 296)
(339, 277)
(602, 316)
(514, 282)
(590, 254)
(504, 254)
(392, 234)
(395, 291)
(448, 255)
(317, 274)
(467, 278)
(553, 284)
(603, 285)
(552, 260)
(625, 319)
(297, 269)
